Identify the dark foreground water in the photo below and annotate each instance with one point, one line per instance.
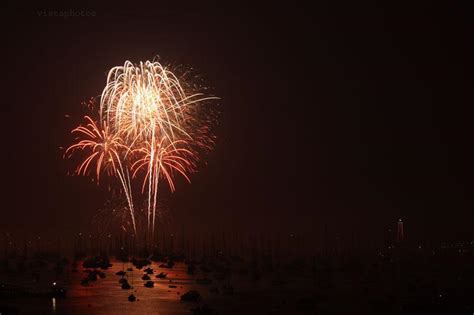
(105, 296)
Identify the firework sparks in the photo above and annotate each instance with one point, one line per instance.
(104, 148)
(102, 143)
(150, 125)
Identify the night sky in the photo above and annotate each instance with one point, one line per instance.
(347, 116)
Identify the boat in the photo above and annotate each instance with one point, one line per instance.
(191, 296)
(162, 275)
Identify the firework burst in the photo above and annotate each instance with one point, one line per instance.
(103, 145)
(104, 148)
(151, 125)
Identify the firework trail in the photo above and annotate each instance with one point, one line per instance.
(151, 125)
(105, 148)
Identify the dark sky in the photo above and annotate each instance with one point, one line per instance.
(345, 116)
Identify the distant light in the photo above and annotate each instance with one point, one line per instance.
(54, 283)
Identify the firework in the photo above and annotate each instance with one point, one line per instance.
(105, 150)
(103, 145)
(151, 125)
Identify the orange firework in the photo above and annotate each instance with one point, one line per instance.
(164, 161)
(149, 124)
(104, 147)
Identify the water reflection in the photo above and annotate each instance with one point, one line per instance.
(105, 296)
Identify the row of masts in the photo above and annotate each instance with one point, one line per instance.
(189, 244)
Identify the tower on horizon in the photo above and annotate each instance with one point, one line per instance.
(400, 233)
